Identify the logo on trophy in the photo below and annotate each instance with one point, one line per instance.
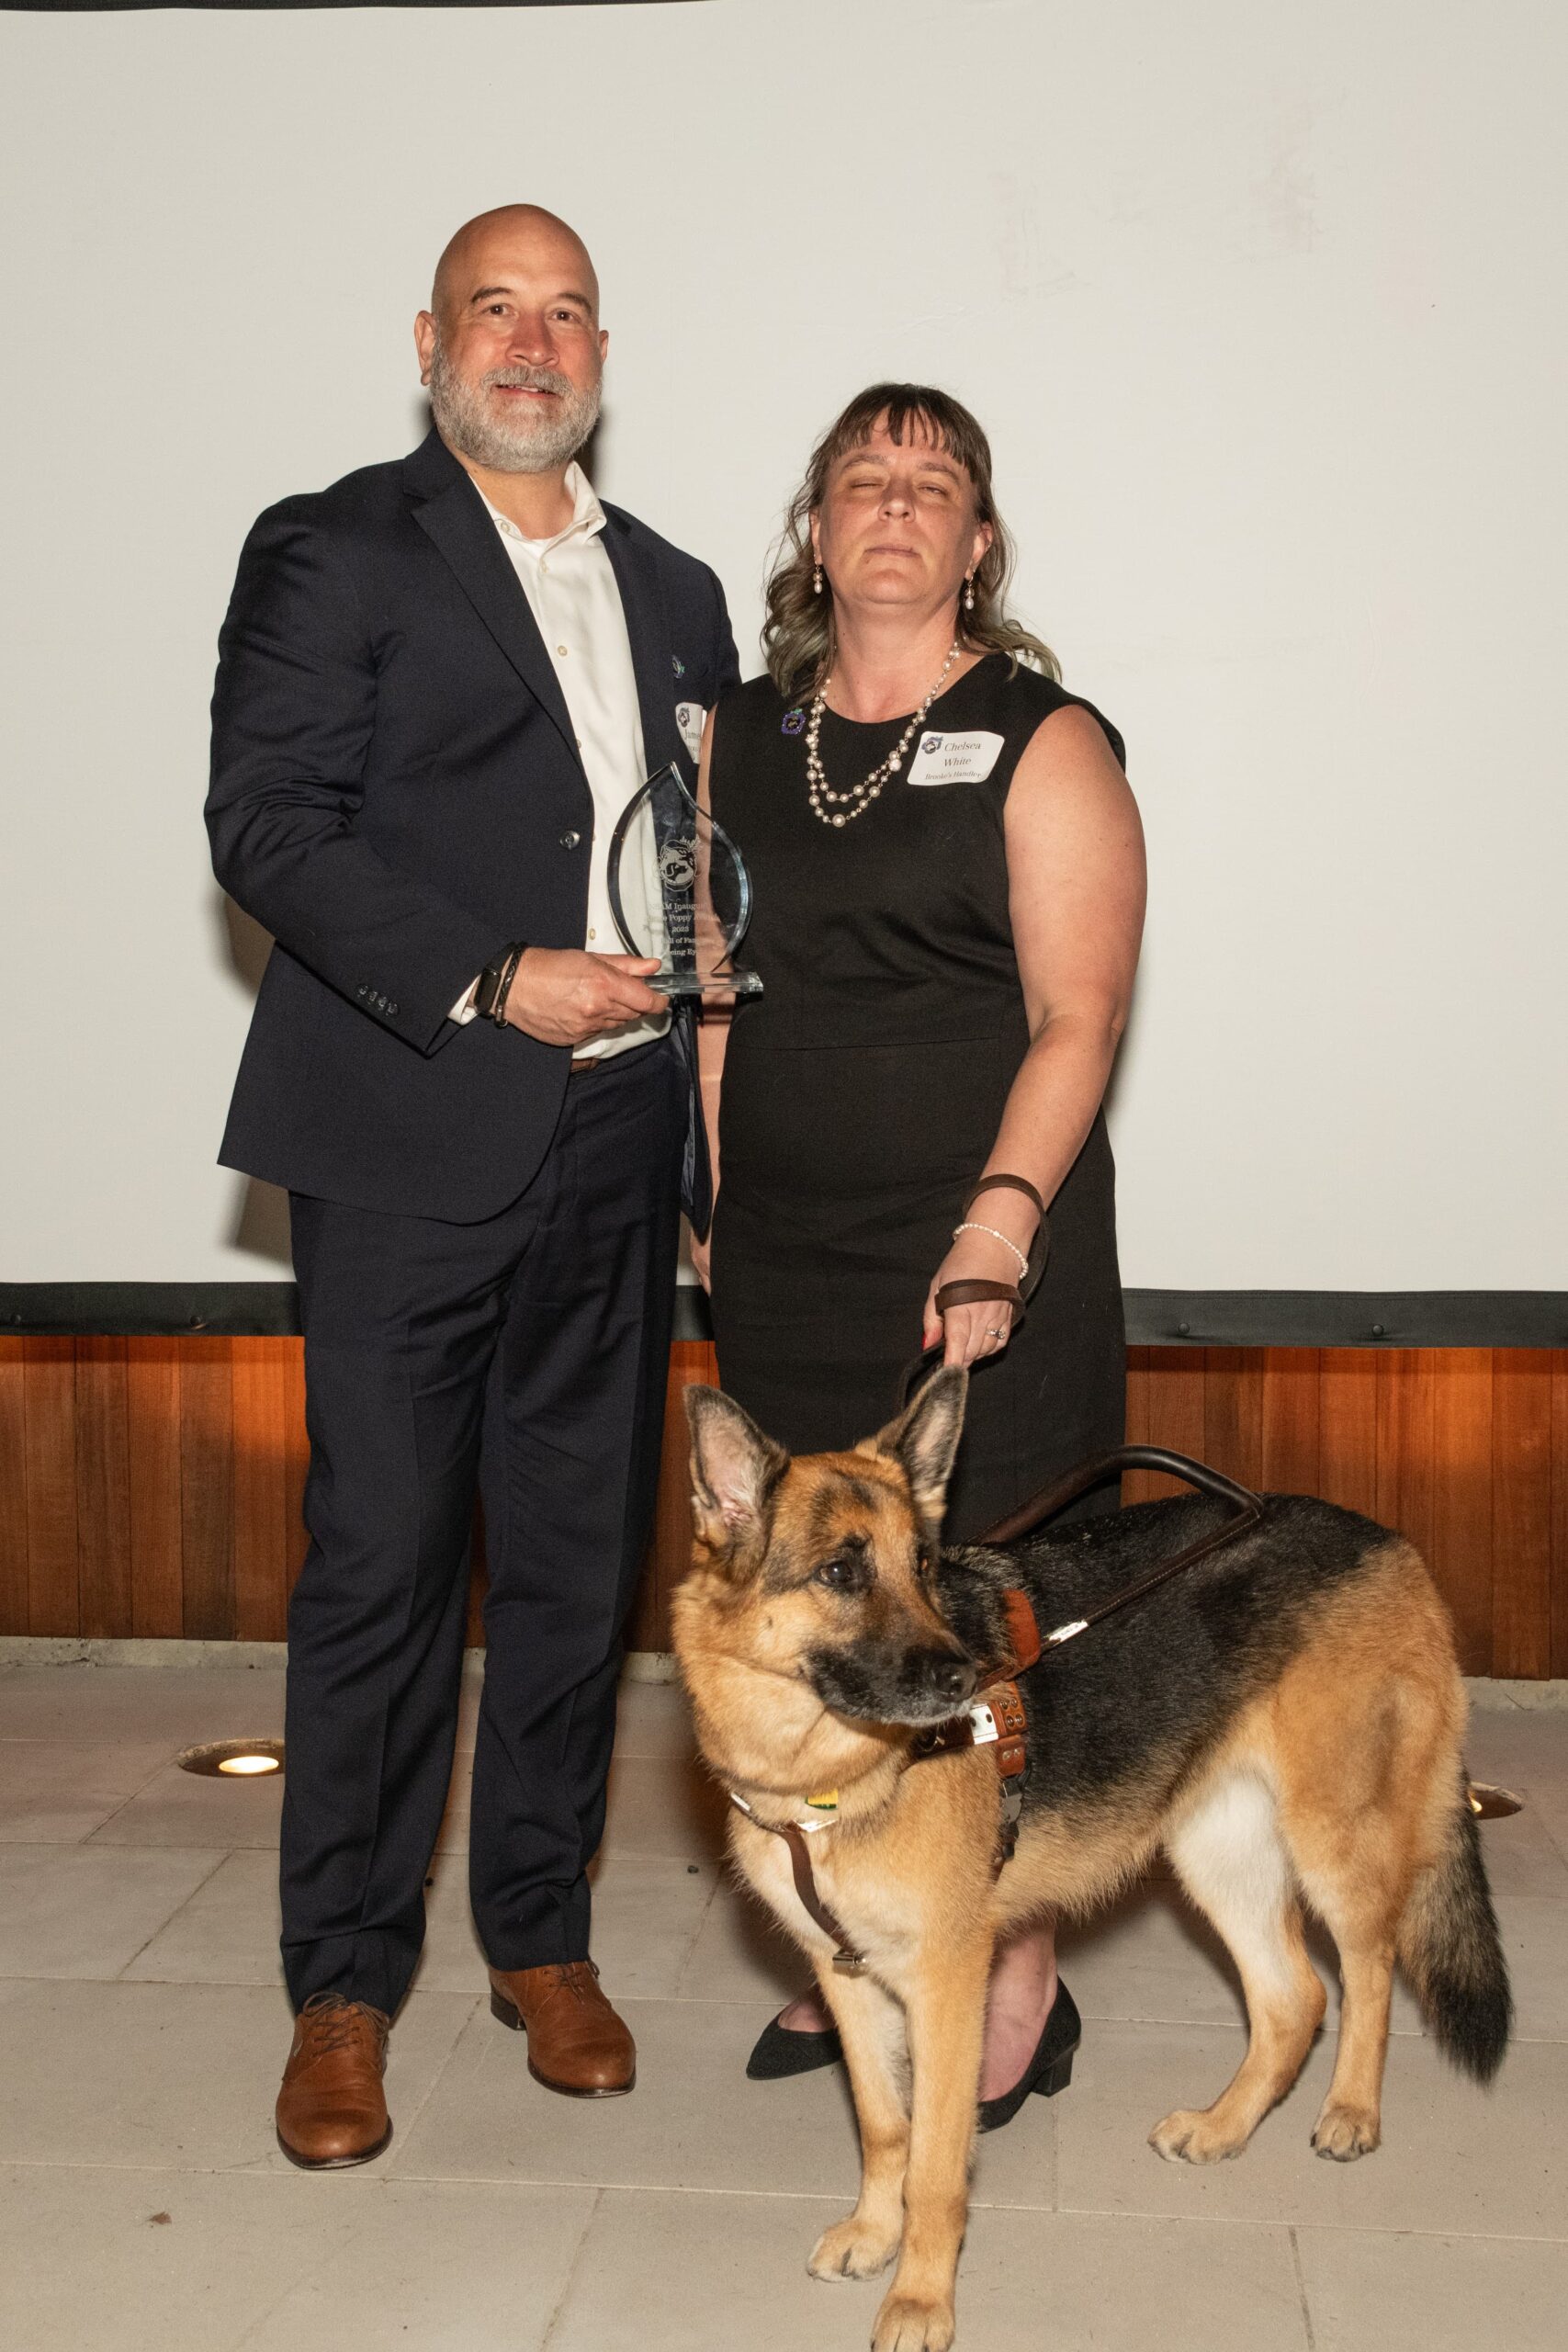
(680, 891)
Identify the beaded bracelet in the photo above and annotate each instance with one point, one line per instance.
(973, 1224)
(1035, 1264)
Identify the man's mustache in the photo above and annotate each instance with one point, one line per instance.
(536, 379)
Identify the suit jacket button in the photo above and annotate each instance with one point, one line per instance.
(392, 1008)
(569, 840)
(363, 989)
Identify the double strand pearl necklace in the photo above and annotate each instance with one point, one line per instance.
(842, 808)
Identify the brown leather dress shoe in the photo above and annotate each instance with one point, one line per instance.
(331, 2110)
(576, 2043)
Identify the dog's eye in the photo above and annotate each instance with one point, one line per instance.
(844, 1574)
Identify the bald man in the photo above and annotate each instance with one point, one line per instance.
(439, 684)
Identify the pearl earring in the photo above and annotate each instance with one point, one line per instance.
(969, 592)
(817, 579)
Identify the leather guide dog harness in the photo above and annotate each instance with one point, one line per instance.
(997, 1717)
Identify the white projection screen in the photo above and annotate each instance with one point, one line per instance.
(1262, 308)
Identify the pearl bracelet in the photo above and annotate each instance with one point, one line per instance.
(971, 1225)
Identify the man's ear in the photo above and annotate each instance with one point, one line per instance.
(924, 1439)
(425, 332)
(734, 1471)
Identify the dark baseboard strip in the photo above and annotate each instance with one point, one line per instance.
(1173, 1319)
(1346, 1318)
(149, 1310)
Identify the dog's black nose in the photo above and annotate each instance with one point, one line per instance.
(952, 1677)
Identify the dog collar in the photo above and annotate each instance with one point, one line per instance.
(827, 1806)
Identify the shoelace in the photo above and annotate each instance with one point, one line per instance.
(334, 2022)
(577, 1977)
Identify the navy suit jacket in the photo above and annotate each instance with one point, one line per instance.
(395, 792)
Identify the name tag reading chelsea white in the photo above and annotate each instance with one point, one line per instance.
(954, 759)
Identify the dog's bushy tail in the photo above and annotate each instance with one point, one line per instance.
(1451, 1952)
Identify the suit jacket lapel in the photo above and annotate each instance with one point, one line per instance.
(648, 628)
(453, 515)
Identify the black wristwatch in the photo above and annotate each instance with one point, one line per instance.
(494, 983)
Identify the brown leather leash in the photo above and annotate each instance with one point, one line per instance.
(973, 1292)
(997, 1717)
(847, 1960)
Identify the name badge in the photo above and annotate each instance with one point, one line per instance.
(689, 718)
(954, 759)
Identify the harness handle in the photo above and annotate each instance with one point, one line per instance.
(1246, 1512)
(1094, 1473)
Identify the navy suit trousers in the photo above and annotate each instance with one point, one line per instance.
(525, 1356)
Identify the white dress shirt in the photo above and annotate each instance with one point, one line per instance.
(573, 596)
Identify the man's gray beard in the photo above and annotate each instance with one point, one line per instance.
(532, 442)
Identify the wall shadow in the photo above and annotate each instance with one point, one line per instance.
(245, 945)
(258, 1222)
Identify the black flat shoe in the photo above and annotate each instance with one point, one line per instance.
(1051, 2068)
(782, 2051)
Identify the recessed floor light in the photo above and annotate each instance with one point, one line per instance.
(1493, 1804)
(233, 1759)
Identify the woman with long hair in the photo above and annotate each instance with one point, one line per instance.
(948, 890)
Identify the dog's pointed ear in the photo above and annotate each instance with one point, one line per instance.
(924, 1438)
(734, 1471)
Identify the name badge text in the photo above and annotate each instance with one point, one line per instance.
(954, 759)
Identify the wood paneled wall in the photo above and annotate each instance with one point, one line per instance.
(152, 1487)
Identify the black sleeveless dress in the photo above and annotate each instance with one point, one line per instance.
(863, 1089)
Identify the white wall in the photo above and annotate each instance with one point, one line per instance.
(1261, 307)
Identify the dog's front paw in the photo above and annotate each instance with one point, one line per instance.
(1343, 2133)
(852, 2249)
(1191, 2137)
(907, 2324)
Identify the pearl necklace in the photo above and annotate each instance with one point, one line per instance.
(842, 808)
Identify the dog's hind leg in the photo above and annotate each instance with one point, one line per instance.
(870, 2026)
(1367, 1753)
(1228, 1853)
(1350, 2122)
(1355, 1870)
(945, 1999)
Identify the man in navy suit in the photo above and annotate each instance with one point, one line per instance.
(439, 683)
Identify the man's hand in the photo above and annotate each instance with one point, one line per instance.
(565, 997)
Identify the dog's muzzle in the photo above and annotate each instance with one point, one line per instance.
(893, 1686)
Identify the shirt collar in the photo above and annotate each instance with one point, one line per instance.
(588, 517)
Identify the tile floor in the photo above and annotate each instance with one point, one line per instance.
(144, 2206)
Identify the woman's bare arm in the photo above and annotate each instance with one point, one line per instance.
(1076, 888)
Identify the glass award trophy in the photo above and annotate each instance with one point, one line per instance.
(680, 891)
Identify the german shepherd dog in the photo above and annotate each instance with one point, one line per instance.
(1283, 1718)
